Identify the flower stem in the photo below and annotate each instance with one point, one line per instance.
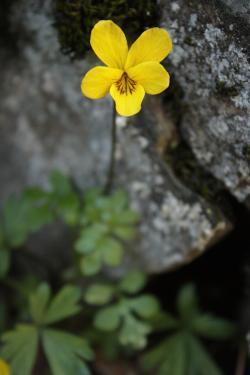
(111, 170)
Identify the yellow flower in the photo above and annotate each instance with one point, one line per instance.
(130, 73)
(4, 368)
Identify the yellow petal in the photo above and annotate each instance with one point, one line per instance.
(152, 45)
(109, 44)
(128, 104)
(4, 368)
(151, 75)
(97, 81)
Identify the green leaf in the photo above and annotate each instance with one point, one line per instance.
(63, 305)
(164, 321)
(201, 362)
(39, 301)
(107, 318)
(134, 333)
(145, 306)
(119, 200)
(68, 207)
(133, 282)
(60, 183)
(20, 349)
(127, 217)
(112, 251)
(212, 327)
(35, 194)
(66, 353)
(91, 264)
(14, 224)
(169, 358)
(99, 294)
(89, 238)
(187, 302)
(124, 232)
(5, 257)
(23, 216)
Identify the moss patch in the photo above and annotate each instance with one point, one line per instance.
(75, 19)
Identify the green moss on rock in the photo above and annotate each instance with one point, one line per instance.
(75, 19)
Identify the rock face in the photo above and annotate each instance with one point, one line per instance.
(45, 124)
(211, 60)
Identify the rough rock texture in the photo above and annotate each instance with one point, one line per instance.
(45, 123)
(210, 61)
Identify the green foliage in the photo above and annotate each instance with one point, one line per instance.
(76, 18)
(23, 215)
(66, 353)
(35, 207)
(63, 198)
(20, 347)
(125, 313)
(182, 352)
(123, 316)
(101, 224)
(45, 310)
(107, 221)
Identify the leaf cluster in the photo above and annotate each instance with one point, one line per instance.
(66, 353)
(106, 224)
(31, 210)
(182, 352)
(124, 313)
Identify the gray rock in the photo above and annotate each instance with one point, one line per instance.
(47, 124)
(210, 63)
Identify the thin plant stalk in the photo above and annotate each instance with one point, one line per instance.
(111, 171)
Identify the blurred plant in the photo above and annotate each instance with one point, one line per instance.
(125, 314)
(75, 19)
(101, 223)
(27, 213)
(106, 223)
(66, 353)
(182, 352)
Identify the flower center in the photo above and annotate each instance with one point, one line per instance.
(125, 85)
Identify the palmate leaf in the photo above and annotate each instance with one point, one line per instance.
(180, 354)
(39, 301)
(20, 349)
(63, 305)
(134, 332)
(164, 321)
(45, 310)
(169, 357)
(66, 353)
(187, 302)
(212, 327)
(200, 362)
(108, 251)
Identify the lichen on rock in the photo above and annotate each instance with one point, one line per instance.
(212, 59)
